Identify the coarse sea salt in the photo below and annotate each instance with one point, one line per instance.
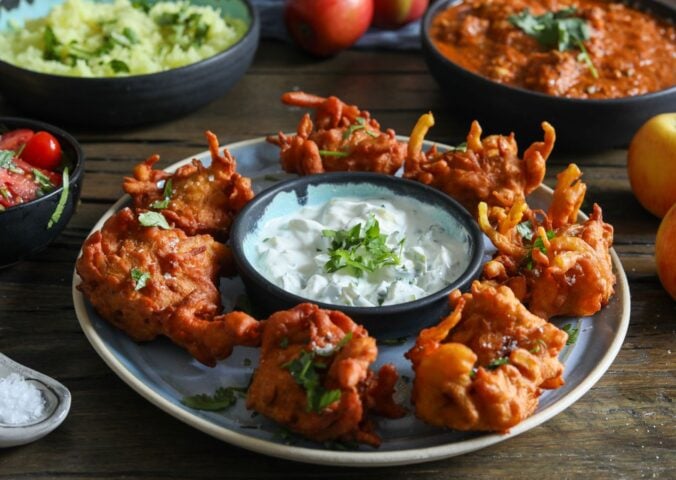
(20, 401)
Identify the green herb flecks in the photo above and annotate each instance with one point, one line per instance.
(360, 249)
(572, 332)
(119, 66)
(561, 30)
(305, 371)
(497, 362)
(284, 343)
(224, 397)
(58, 211)
(331, 153)
(182, 28)
(166, 196)
(153, 219)
(51, 43)
(540, 245)
(6, 159)
(42, 181)
(359, 125)
(140, 278)
(5, 193)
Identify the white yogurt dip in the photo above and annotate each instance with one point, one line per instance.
(293, 250)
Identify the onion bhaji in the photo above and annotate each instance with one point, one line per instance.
(486, 170)
(314, 376)
(342, 138)
(483, 367)
(149, 281)
(199, 199)
(555, 265)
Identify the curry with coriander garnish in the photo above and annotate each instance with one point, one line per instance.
(570, 48)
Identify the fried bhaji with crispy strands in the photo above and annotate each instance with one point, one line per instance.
(202, 200)
(314, 376)
(483, 367)
(489, 170)
(342, 138)
(560, 267)
(178, 297)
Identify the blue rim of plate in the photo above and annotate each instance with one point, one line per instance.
(319, 456)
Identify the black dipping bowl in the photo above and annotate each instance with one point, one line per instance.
(580, 124)
(24, 228)
(388, 321)
(134, 100)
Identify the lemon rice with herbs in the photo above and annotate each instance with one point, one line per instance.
(87, 39)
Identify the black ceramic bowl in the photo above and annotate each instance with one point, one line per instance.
(387, 321)
(134, 100)
(580, 124)
(24, 229)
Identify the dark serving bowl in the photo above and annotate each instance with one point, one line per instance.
(581, 124)
(24, 229)
(127, 101)
(387, 321)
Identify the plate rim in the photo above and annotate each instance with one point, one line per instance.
(332, 457)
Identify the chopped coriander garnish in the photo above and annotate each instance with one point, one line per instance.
(223, 398)
(561, 29)
(58, 211)
(497, 362)
(331, 153)
(166, 196)
(360, 249)
(304, 372)
(140, 278)
(153, 219)
(572, 332)
(284, 342)
(119, 66)
(6, 158)
(540, 245)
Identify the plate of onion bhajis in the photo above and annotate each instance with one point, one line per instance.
(156, 292)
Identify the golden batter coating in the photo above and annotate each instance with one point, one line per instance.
(483, 367)
(201, 199)
(314, 377)
(342, 138)
(149, 281)
(554, 265)
(487, 170)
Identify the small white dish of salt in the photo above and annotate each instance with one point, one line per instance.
(31, 403)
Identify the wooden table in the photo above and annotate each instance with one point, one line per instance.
(622, 428)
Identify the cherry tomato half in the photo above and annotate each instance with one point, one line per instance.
(42, 150)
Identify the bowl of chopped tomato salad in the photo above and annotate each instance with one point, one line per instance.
(41, 169)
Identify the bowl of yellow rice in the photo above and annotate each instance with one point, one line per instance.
(120, 63)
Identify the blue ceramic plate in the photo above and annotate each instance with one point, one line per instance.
(164, 373)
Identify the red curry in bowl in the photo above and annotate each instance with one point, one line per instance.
(569, 48)
(29, 164)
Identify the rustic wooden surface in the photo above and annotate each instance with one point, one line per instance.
(623, 428)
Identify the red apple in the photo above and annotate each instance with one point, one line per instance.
(325, 27)
(396, 13)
